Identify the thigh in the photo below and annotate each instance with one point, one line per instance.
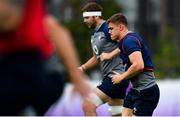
(113, 90)
(130, 99)
(148, 101)
(127, 112)
(105, 98)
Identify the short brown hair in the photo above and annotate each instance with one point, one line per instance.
(92, 6)
(117, 19)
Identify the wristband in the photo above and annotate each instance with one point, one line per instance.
(83, 68)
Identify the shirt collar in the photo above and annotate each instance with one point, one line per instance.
(97, 28)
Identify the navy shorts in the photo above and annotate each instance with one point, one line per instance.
(114, 90)
(143, 102)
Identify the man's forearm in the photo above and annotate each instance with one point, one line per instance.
(92, 62)
(62, 40)
(115, 52)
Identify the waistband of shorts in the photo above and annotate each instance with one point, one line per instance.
(148, 69)
(147, 88)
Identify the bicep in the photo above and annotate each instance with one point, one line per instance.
(136, 57)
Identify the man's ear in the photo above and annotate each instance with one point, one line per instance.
(121, 27)
(96, 17)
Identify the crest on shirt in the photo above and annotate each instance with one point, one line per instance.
(99, 35)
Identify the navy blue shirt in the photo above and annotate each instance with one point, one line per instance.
(133, 42)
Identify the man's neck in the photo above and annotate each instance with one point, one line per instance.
(99, 23)
(124, 33)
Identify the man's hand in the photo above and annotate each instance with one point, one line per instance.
(109, 55)
(82, 68)
(105, 56)
(116, 78)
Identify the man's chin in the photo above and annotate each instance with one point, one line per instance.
(91, 27)
(112, 38)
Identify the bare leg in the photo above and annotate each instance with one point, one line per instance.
(127, 112)
(89, 108)
(93, 101)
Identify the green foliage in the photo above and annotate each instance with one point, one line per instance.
(166, 59)
(110, 7)
(81, 38)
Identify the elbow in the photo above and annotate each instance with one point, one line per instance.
(139, 67)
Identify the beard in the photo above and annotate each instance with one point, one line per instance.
(93, 26)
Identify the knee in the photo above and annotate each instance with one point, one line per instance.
(91, 102)
(88, 105)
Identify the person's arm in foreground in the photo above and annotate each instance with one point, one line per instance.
(136, 67)
(62, 40)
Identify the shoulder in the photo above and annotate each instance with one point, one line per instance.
(128, 41)
(132, 38)
(103, 31)
(131, 42)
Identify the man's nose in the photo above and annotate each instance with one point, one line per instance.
(84, 20)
